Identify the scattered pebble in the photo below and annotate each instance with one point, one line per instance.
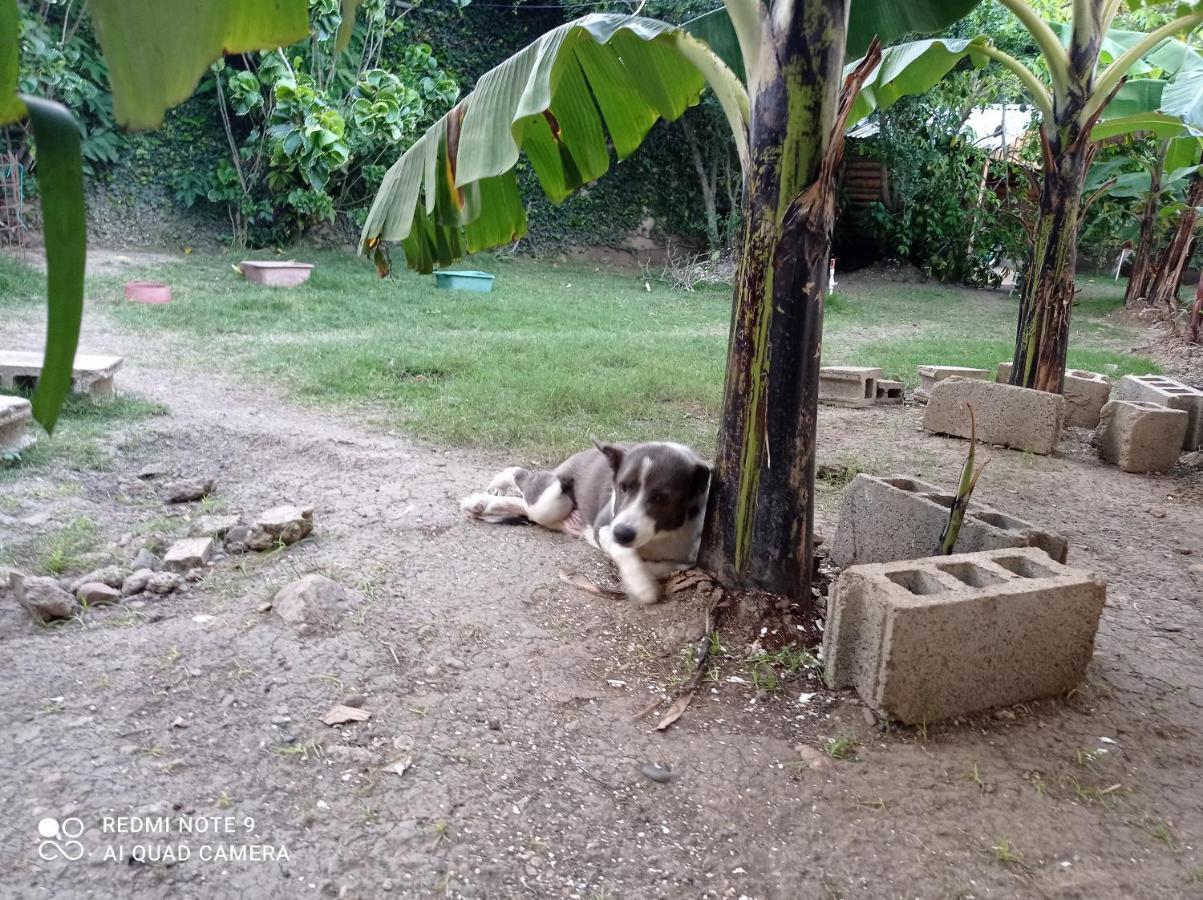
(658, 774)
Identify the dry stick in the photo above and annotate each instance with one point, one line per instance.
(684, 696)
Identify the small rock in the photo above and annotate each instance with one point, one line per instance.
(354, 700)
(136, 583)
(188, 490)
(658, 774)
(194, 575)
(867, 715)
(151, 471)
(227, 701)
(340, 715)
(280, 720)
(812, 757)
(431, 671)
(314, 598)
(1193, 460)
(237, 534)
(190, 553)
(162, 582)
(10, 580)
(45, 600)
(112, 576)
(454, 662)
(1156, 512)
(493, 724)
(280, 525)
(213, 526)
(1005, 715)
(144, 559)
(94, 593)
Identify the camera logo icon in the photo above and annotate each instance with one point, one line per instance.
(59, 839)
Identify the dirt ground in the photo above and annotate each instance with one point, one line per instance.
(513, 695)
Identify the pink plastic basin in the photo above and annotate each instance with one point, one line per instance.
(147, 292)
(276, 274)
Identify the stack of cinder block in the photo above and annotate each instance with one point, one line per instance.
(1149, 423)
(857, 386)
(1084, 392)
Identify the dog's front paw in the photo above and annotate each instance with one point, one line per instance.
(643, 590)
(474, 505)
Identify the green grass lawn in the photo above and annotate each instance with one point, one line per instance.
(557, 351)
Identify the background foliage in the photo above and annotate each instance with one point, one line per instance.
(312, 135)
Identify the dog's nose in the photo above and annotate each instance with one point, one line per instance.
(624, 534)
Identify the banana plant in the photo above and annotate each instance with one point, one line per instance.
(1072, 100)
(777, 69)
(156, 53)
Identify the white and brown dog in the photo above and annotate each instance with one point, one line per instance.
(640, 504)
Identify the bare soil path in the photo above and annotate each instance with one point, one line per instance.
(513, 695)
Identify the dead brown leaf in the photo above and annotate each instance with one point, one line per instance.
(676, 710)
(340, 715)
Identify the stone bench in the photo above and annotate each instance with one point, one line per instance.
(15, 416)
(887, 519)
(92, 374)
(1168, 392)
(1139, 436)
(929, 376)
(1006, 415)
(1084, 392)
(928, 639)
(848, 385)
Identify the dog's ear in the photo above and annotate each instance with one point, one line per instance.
(701, 479)
(613, 454)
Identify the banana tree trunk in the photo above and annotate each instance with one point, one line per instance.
(1042, 333)
(1144, 261)
(1171, 263)
(760, 519)
(1196, 316)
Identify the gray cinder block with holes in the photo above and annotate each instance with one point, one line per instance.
(928, 639)
(848, 385)
(930, 376)
(1168, 392)
(1084, 392)
(1011, 416)
(896, 517)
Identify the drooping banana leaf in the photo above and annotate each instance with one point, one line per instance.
(906, 69)
(601, 79)
(157, 51)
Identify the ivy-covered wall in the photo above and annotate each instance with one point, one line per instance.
(137, 199)
(656, 183)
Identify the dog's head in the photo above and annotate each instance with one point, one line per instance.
(657, 487)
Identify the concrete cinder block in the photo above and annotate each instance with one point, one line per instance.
(894, 518)
(1007, 415)
(15, 415)
(848, 385)
(928, 639)
(929, 376)
(1139, 436)
(890, 393)
(1168, 392)
(1084, 392)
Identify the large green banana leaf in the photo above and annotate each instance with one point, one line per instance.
(602, 79)
(910, 68)
(156, 51)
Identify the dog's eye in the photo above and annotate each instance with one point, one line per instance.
(625, 487)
